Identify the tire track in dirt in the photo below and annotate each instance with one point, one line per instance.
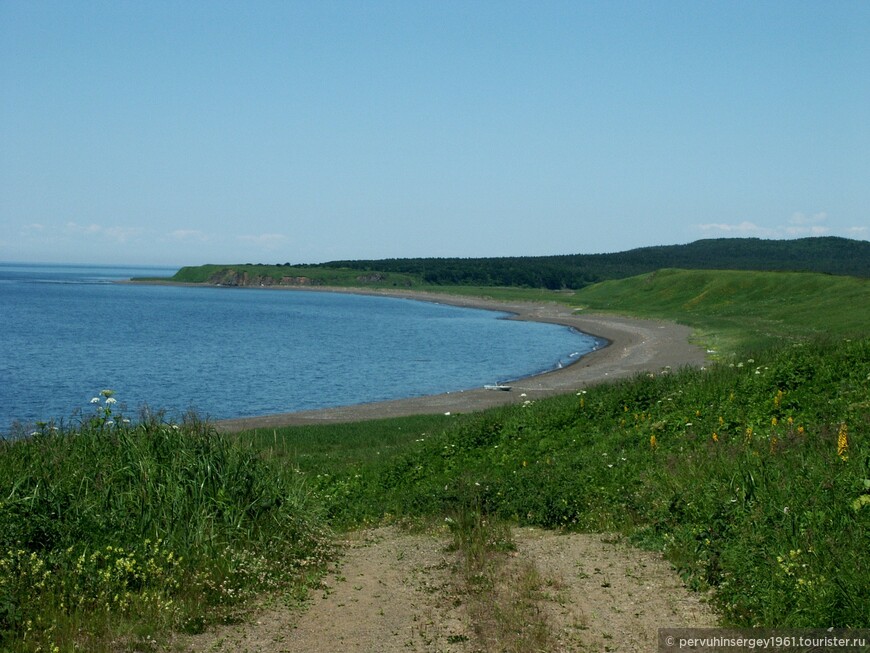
(393, 591)
(603, 595)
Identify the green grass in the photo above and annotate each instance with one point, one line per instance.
(113, 532)
(736, 311)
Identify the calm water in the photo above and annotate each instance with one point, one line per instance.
(68, 332)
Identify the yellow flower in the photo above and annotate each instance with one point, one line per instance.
(652, 441)
(843, 442)
(774, 421)
(715, 437)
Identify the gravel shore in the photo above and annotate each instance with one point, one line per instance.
(634, 346)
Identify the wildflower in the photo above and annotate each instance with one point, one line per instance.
(843, 442)
(652, 441)
(111, 400)
(774, 421)
(95, 400)
(715, 437)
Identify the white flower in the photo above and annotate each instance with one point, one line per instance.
(111, 400)
(95, 400)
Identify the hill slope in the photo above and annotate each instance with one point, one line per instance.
(829, 255)
(738, 307)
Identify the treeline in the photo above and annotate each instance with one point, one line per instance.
(830, 255)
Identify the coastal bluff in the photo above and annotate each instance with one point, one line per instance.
(244, 279)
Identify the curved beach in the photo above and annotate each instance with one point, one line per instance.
(635, 346)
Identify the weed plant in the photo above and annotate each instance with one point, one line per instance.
(753, 477)
(112, 533)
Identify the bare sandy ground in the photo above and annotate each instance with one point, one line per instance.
(634, 346)
(393, 591)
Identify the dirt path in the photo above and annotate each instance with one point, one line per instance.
(394, 591)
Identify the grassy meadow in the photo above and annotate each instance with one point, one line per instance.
(752, 476)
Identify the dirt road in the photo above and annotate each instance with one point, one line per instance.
(397, 592)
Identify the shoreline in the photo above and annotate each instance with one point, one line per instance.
(633, 346)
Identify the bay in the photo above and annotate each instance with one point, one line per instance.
(69, 332)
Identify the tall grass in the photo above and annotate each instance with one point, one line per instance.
(117, 532)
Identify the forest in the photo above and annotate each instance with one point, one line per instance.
(831, 255)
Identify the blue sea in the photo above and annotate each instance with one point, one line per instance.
(69, 332)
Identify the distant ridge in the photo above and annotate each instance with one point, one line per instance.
(828, 254)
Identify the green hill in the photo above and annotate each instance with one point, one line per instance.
(735, 309)
(829, 255)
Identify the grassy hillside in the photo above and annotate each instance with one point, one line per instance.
(737, 310)
(752, 477)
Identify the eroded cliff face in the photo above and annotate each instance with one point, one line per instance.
(232, 277)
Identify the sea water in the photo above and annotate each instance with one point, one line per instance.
(68, 332)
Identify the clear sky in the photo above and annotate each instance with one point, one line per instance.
(185, 132)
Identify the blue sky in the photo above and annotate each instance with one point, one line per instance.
(206, 131)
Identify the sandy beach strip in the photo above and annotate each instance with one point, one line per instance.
(635, 346)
